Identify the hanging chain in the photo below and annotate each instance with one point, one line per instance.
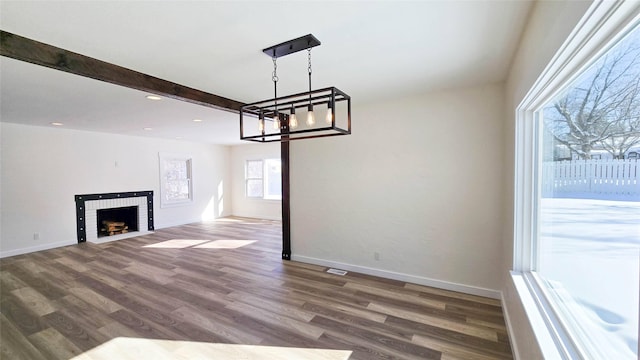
(274, 74)
(309, 51)
(274, 77)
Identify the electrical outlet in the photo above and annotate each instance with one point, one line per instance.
(376, 256)
(36, 236)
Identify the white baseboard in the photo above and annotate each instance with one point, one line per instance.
(446, 285)
(31, 249)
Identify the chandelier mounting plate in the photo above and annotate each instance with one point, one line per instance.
(291, 46)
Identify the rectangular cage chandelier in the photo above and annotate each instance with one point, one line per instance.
(307, 115)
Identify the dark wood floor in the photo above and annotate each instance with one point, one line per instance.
(180, 284)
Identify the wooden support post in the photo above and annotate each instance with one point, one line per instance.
(286, 203)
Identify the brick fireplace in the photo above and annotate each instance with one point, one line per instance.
(88, 206)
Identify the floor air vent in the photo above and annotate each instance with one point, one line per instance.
(337, 272)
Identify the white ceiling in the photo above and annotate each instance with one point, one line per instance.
(369, 50)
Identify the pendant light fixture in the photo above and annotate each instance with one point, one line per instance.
(283, 111)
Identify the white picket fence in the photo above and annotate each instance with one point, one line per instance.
(596, 176)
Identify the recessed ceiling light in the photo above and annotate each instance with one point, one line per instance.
(57, 124)
(197, 120)
(148, 129)
(153, 97)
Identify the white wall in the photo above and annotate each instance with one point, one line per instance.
(550, 23)
(43, 168)
(243, 206)
(419, 182)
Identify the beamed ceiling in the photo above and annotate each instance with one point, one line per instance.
(372, 50)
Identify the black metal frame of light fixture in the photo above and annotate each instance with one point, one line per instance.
(282, 106)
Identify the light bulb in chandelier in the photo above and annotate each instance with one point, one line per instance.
(329, 117)
(311, 119)
(293, 120)
(276, 122)
(261, 123)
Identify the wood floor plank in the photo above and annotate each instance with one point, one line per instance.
(143, 328)
(492, 324)
(31, 266)
(351, 310)
(453, 351)
(54, 345)
(400, 302)
(95, 299)
(488, 347)
(249, 276)
(21, 317)
(314, 276)
(453, 294)
(9, 282)
(215, 324)
(150, 272)
(178, 284)
(38, 282)
(376, 341)
(73, 263)
(212, 284)
(76, 332)
(301, 327)
(326, 293)
(395, 295)
(77, 308)
(277, 306)
(35, 301)
(360, 351)
(260, 291)
(484, 333)
(15, 345)
(115, 329)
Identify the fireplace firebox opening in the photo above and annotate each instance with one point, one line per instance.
(116, 221)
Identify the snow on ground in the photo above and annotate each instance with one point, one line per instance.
(590, 249)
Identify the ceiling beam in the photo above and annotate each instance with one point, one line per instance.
(35, 52)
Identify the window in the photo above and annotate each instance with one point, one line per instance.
(263, 179)
(577, 236)
(588, 225)
(176, 187)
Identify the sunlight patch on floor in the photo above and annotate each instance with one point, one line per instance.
(177, 243)
(229, 219)
(134, 349)
(225, 244)
(201, 244)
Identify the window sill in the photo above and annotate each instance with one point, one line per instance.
(544, 333)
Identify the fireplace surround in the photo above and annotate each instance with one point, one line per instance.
(87, 206)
